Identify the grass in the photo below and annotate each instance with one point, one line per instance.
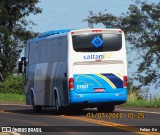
(144, 103)
(11, 98)
(133, 100)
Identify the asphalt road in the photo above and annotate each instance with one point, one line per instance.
(122, 121)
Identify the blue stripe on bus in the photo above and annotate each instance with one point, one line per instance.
(108, 81)
(115, 80)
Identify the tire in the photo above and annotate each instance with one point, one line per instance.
(58, 109)
(36, 108)
(106, 108)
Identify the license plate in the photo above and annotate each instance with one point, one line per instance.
(98, 89)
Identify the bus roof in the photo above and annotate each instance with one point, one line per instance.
(45, 35)
(97, 30)
(54, 32)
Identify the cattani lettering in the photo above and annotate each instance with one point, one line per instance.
(97, 57)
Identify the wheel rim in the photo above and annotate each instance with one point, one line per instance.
(57, 105)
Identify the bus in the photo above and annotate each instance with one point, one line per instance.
(82, 68)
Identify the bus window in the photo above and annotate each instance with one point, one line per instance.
(97, 42)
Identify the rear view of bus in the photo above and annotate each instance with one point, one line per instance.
(97, 68)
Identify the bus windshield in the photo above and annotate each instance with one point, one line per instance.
(99, 42)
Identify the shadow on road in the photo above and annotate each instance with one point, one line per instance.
(26, 109)
(46, 111)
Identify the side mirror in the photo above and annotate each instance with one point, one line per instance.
(20, 64)
(25, 63)
(23, 58)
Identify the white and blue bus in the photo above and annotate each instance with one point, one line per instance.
(82, 68)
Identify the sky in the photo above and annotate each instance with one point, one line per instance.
(69, 14)
(60, 14)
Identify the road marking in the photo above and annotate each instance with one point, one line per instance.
(115, 125)
(137, 111)
(10, 133)
(16, 134)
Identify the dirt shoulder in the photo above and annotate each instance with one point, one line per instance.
(138, 108)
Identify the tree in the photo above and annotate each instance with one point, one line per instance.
(13, 31)
(141, 25)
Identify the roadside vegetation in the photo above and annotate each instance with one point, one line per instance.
(13, 84)
(139, 97)
(12, 89)
(12, 98)
(138, 101)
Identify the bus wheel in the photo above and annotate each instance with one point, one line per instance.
(36, 108)
(57, 107)
(106, 108)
